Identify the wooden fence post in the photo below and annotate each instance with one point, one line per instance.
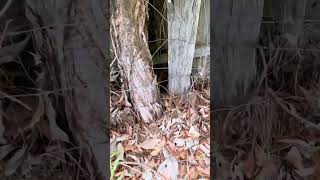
(235, 31)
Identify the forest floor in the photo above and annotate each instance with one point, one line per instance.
(176, 145)
(276, 134)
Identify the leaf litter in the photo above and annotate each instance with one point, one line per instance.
(174, 147)
(275, 133)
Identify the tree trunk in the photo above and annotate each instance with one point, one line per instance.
(235, 31)
(131, 47)
(72, 48)
(183, 17)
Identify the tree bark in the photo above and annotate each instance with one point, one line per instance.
(72, 46)
(131, 47)
(235, 31)
(183, 17)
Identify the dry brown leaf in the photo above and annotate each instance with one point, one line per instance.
(205, 149)
(182, 171)
(204, 172)
(305, 171)
(171, 148)
(249, 165)
(236, 170)
(193, 173)
(150, 143)
(192, 160)
(15, 162)
(156, 151)
(269, 170)
(183, 154)
(129, 130)
(294, 157)
(193, 132)
(261, 156)
(129, 147)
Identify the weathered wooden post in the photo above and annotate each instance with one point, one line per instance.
(203, 38)
(235, 31)
(293, 19)
(183, 19)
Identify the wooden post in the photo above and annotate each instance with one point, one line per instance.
(293, 20)
(203, 36)
(235, 31)
(183, 19)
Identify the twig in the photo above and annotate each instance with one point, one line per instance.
(5, 7)
(12, 98)
(4, 32)
(297, 116)
(158, 11)
(142, 165)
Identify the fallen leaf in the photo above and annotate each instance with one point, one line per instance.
(14, 162)
(5, 150)
(182, 170)
(120, 150)
(236, 170)
(305, 171)
(169, 166)
(135, 158)
(269, 170)
(183, 154)
(150, 143)
(261, 156)
(193, 173)
(129, 147)
(179, 142)
(193, 132)
(294, 157)
(189, 143)
(204, 172)
(305, 148)
(158, 149)
(249, 165)
(205, 150)
(223, 167)
(122, 138)
(147, 175)
(129, 131)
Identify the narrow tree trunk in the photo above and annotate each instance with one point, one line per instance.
(235, 31)
(130, 41)
(183, 17)
(293, 16)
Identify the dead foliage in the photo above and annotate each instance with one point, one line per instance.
(175, 146)
(275, 134)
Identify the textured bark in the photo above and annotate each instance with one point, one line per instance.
(130, 43)
(183, 17)
(73, 52)
(235, 31)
